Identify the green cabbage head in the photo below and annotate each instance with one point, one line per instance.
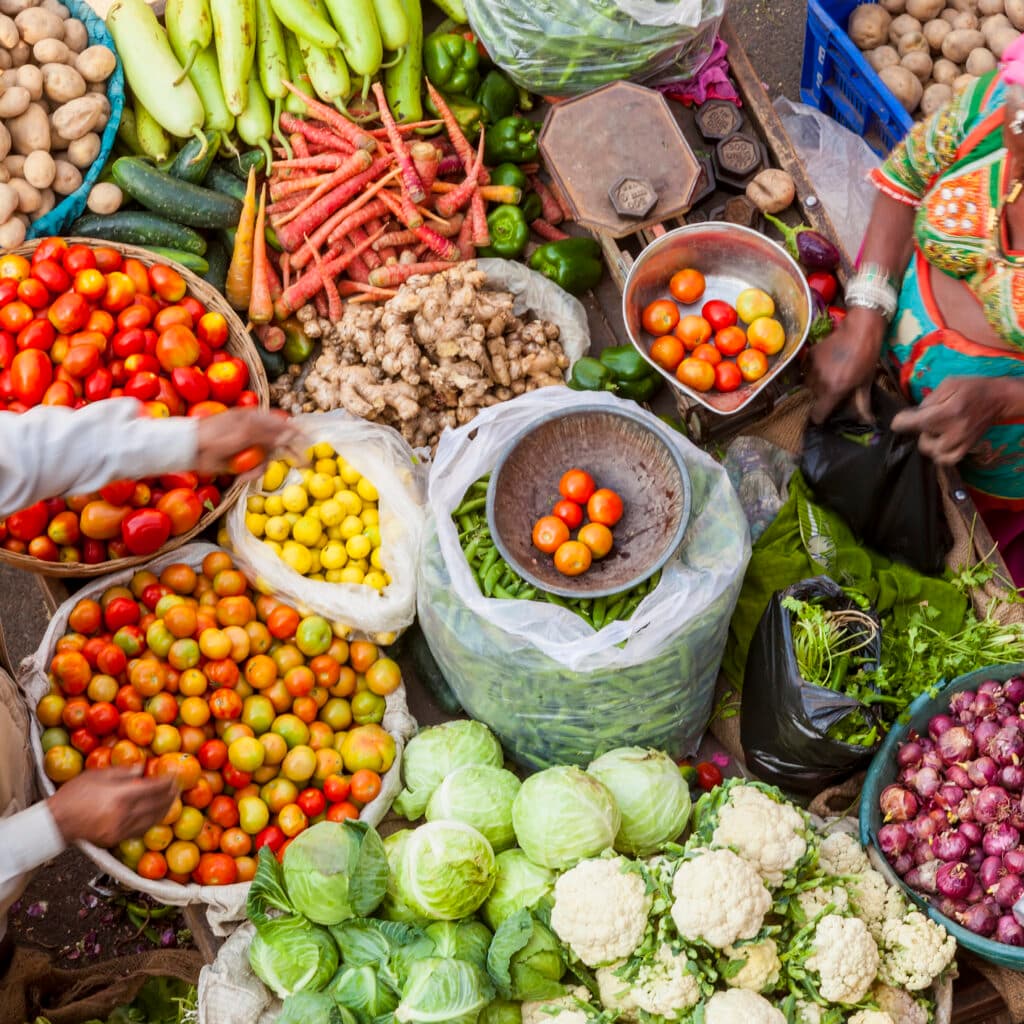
(501, 1011)
(525, 960)
(449, 991)
(520, 884)
(289, 955)
(479, 795)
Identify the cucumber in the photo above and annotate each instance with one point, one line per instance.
(137, 227)
(191, 163)
(178, 200)
(186, 259)
(224, 181)
(239, 165)
(218, 257)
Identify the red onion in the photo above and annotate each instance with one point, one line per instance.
(984, 706)
(1008, 890)
(975, 859)
(1008, 931)
(972, 830)
(938, 725)
(1007, 746)
(992, 805)
(1000, 838)
(956, 745)
(1014, 689)
(1013, 861)
(982, 771)
(909, 755)
(977, 894)
(923, 877)
(925, 827)
(983, 733)
(991, 686)
(965, 809)
(958, 776)
(980, 919)
(990, 872)
(893, 840)
(897, 803)
(1011, 777)
(922, 853)
(954, 880)
(962, 705)
(951, 846)
(948, 796)
(951, 908)
(904, 863)
(925, 781)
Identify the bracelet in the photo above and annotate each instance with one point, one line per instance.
(872, 288)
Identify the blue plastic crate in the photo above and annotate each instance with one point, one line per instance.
(839, 81)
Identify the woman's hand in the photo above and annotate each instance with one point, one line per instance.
(845, 362)
(955, 416)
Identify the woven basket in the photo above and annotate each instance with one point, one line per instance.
(239, 344)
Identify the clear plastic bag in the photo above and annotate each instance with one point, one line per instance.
(380, 454)
(567, 47)
(553, 689)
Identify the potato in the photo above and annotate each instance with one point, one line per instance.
(987, 26)
(106, 197)
(14, 7)
(96, 64)
(919, 64)
(39, 169)
(771, 191)
(14, 101)
(8, 202)
(1002, 39)
(61, 83)
(30, 78)
(72, 120)
(76, 35)
(945, 72)
(8, 78)
(51, 51)
(14, 165)
(82, 152)
(12, 234)
(949, 14)
(925, 10)
(28, 197)
(56, 7)
(48, 200)
(36, 23)
(935, 31)
(882, 57)
(958, 44)
(20, 54)
(904, 86)
(965, 20)
(963, 82)
(980, 62)
(30, 131)
(912, 41)
(5, 175)
(67, 178)
(901, 26)
(893, 6)
(1015, 12)
(9, 34)
(964, 5)
(5, 59)
(986, 8)
(869, 26)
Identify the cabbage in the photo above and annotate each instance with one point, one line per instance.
(394, 908)
(313, 1008)
(481, 796)
(436, 752)
(363, 991)
(501, 1011)
(450, 991)
(525, 959)
(289, 955)
(445, 870)
(519, 884)
(563, 815)
(336, 870)
(651, 794)
(467, 940)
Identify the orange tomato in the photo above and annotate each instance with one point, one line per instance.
(180, 578)
(731, 341)
(573, 558)
(365, 785)
(708, 353)
(766, 335)
(660, 317)
(152, 865)
(215, 562)
(597, 537)
(549, 534)
(605, 506)
(692, 331)
(362, 655)
(753, 365)
(727, 377)
(576, 485)
(687, 285)
(282, 622)
(698, 374)
(668, 352)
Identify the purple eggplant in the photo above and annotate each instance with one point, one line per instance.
(810, 247)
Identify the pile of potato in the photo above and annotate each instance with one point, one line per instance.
(927, 50)
(53, 109)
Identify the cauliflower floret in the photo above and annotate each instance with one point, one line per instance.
(767, 834)
(915, 951)
(807, 1013)
(845, 958)
(601, 910)
(564, 1010)
(813, 901)
(738, 1006)
(841, 854)
(762, 966)
(874, 901)
(719, 898)
(664, 988)
(900, 1005)
(871, 1017)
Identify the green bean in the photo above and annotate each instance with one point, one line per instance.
(600, 612)
(489, 560)
(491, 578)
(503, 594)
(471, 549)
(472, 505)
(616, 610)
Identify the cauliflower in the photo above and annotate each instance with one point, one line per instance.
(841, 854)
(664, 988)
(915, 951)
(601, 910)
(719, 898)
(900, 1005)
(845, 957)
(564, 1010)
(870, 1017)
(738, 1006)
(813, 901)
(761, 969)
(874, 901)
(807, 1013)
(769, 835)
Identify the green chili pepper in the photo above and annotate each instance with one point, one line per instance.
(497, 95)
(510, 174)
(642, 390)
(512, 139)
(626, 363)
(573, 263)
(532, 207)
(509, 232)
(589, 374)
(451, 63)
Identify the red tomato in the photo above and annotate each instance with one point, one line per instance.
(100, 520)
(141, 363)
(29, 522)
(85, 741)
(312, 802)
(63, 528)
(342, 812)
(824, 284)
(135, 317)
(172, 480)
(709, 775)
(59, 393)
(69, 313)
(119, 492)
(719, 314)
(136, 270)
(131, 342)
(72, 671)
(215, 868)
(836, 315)
(727, 377)
(203, 409)
(183, 507)
(98, 385)
(167, 283)
(337, 788)
(34, 293)
(191, 384)
(731, 341)
(120, 292)
(226, 382)
(577, 485)
(78, 257)
(15, 315)
(112, 661)
(7, 350)
(8, 290)
(143, 386)
(102, 718)
(549, 534)
(81, 360)
(271, 836)
(570, 512)
(247, 400)
(212, 329)
(90, 283)
(53, 276)
(213, 755)
(145, 530)
(605, 506)
(121, 611)
(176, 346)
(93, 552)
(107, 259)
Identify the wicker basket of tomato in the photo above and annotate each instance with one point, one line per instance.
(81, 323)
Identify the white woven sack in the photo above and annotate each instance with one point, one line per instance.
(386, 460)
(225, 904)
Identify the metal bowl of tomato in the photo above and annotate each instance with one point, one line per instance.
(683, 290)
(625, 450)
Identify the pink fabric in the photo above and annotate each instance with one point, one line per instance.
(1013, 63)
(1007, 529)
(710, 82)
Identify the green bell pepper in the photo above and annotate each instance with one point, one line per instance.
(573, 263)
(626, 363)
(532, 206)
(639, 390)
(509, 174)
(468, 114)
(497, 95)
(590, 375)
(451, 63)
(512, 140)
(297, 348)
(509, 232)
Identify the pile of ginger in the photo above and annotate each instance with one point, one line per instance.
(431, 357)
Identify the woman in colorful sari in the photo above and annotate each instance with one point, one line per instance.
(939, 292)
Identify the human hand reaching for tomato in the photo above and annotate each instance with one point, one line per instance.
(223, 437)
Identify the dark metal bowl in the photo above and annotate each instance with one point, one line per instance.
(621, 449)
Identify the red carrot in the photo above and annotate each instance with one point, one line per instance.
(456, 200)
(478, 215)
(426, 158)
(449, 165)
(404, 211)
(261, 306)
(286, 272)
(273, 280)
(410, 179)
(409, 217)
(360, 288)
(277, 210)
(370, 258)
(322, 309)
(298, 143)
(320, 162)
(405, 129)
(391, 277)
(343, 127)
(395, 239)
(492, 193)
(313, 135)
(547, 230)
(342, 222)
(348, 168)
(465, 240)
(455, 134)
(359, 271)
(271, 337)
(334, 310)
(551, 211)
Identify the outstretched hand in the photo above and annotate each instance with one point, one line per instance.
(223, 436)
(844, 364)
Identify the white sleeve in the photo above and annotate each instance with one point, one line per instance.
(50, 451)
(27, 839)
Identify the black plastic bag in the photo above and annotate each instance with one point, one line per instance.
(784, 720)
(880, 483)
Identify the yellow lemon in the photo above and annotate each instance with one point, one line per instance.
(297, 557)
(334, 555)
(374, 534)
(222, 538)
(295, 498)
(370, 517)
(321, 486)
(255, 503)
(318, 576)
(326, 466)
(292, 517)
(366, 490)
(361, 564)
(322, 542)
(334, 532)
(334, 575)
(358, 546)
(375, 559)
(274, 546)
(323, 450)
(351, 574)
(331, 513)
(351, 526)
(377, 580)
(256, 523)
(277, 528)
(274, 474)
(273, 505)
(349, 501)
(314, 562)
(307, 531)
(313, 512)
(348, 474)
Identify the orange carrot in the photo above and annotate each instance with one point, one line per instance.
(261, 306)
(455, 134)
(458, 198)
(492, 193)
(348, 168)
(334, 310)
(391, 277)
(340, 125)
(411, 183)
(238, 287)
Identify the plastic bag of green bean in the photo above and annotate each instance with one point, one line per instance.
(554, 690)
